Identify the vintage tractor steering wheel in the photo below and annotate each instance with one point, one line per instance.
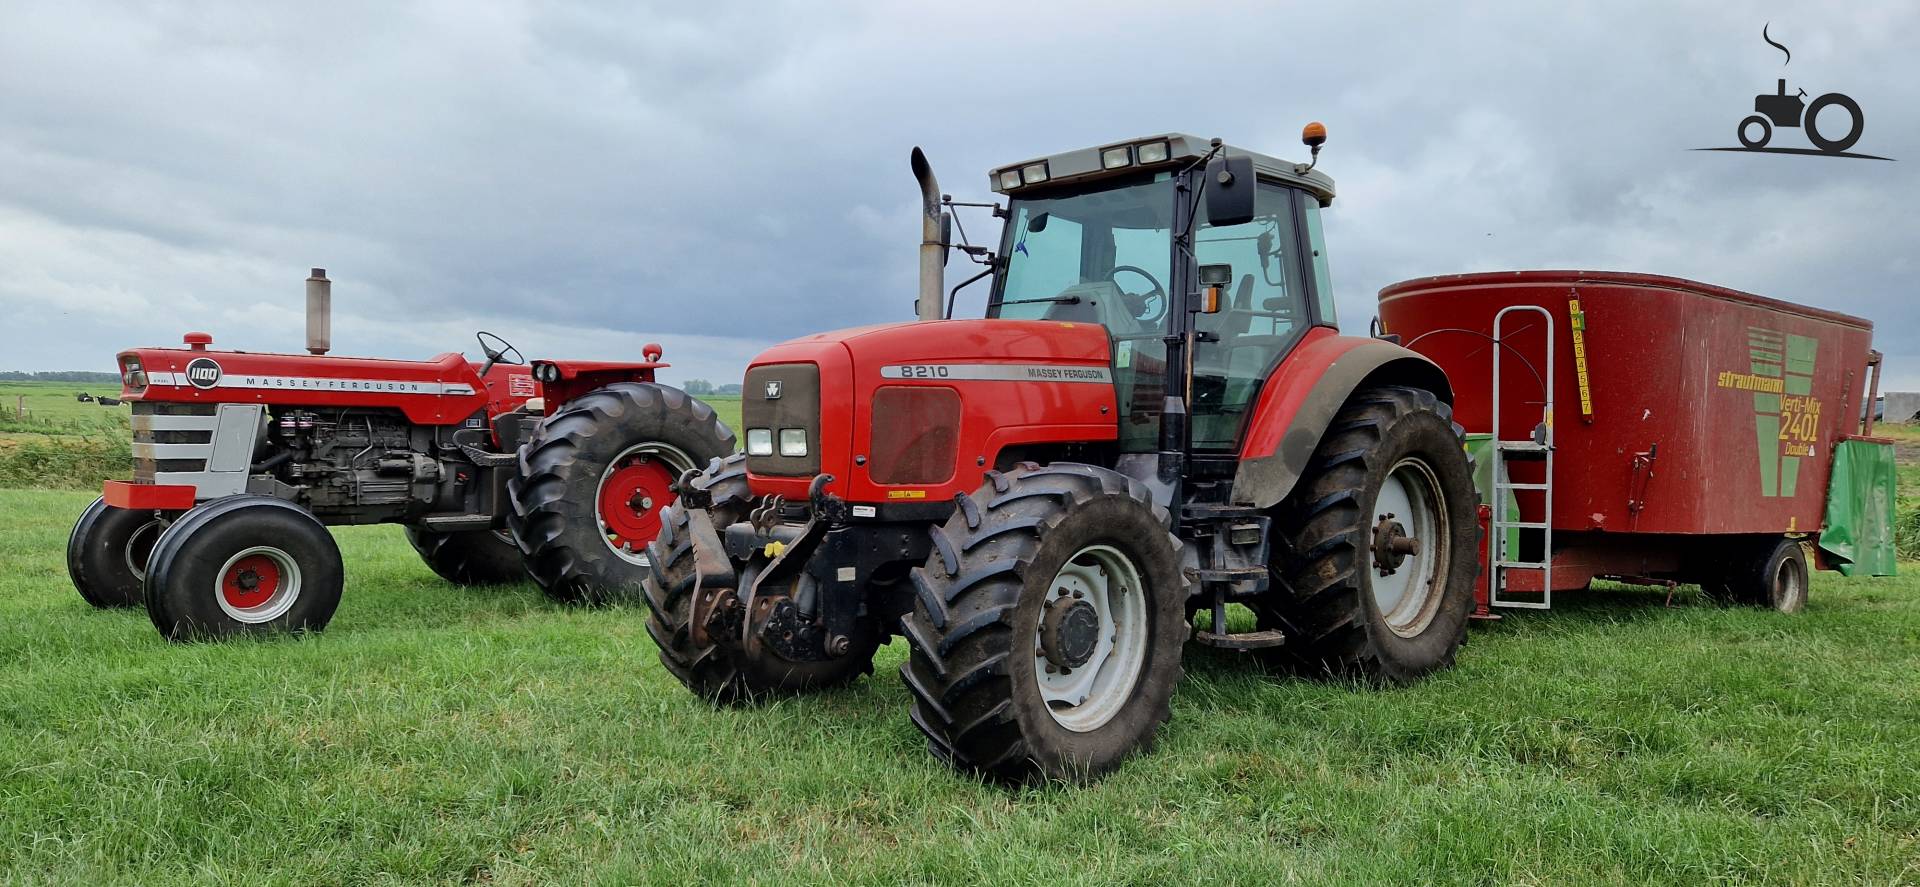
(497, 355)
(1146, 307)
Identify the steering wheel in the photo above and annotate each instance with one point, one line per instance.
(1146, 307)
(497, 355)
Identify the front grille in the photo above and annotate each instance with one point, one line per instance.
(915, 434)
(795, 403)
(171, 424)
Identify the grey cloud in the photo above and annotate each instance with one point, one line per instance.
(719, 176)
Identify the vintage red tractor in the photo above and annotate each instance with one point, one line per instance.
(1157, 418)
(241, 461)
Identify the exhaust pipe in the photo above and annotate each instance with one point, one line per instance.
(933, 242)
(319, 312)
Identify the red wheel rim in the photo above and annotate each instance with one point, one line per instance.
(632, 492)
(250, 582)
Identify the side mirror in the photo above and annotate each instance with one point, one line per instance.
(1230, 188)
(1038, 223)
(1213, 280)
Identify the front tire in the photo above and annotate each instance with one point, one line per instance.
(1046, 635)
(1358, 599)
(108, 551)
(593, 482)
(711, 671)
(243, 565)
(471, 557)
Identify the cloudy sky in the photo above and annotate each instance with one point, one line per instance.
(718, 176)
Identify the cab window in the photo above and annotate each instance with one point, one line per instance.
(1263, 313)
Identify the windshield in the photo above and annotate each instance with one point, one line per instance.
(1097, 257)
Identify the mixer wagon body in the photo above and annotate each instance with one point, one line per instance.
(1691, 423)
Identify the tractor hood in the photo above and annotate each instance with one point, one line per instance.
(915, 411)
(445, 390)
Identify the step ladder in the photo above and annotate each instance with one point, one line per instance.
(1501, 527)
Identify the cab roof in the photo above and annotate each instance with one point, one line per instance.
(1071, 167)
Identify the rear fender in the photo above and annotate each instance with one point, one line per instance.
(1305, 394)
(569, 379)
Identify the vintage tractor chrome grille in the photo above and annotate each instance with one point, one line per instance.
(777, 398)
(208, 446)
(915, 434)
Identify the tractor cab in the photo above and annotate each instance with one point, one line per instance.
(1121, 235)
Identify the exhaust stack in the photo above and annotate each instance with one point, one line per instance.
(319, 312)
(933, 245)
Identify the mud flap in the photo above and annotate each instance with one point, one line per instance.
(1858, 536)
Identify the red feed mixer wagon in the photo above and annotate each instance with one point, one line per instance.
(241, 461)
(1658, 430)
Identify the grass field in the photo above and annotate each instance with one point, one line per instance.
(442, 735)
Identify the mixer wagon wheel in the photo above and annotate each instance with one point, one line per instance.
(1380, 556)
(1773, 575)
(713, 673)
(243, 565)
(107, 552)
(1047, 626)
(471, 557)
(593, 480)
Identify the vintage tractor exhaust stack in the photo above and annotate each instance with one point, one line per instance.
(319, 312)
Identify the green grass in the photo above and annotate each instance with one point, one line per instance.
(445, 735)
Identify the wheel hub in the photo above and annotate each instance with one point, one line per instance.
(1391, 545)
(634, 488)
(1069, 632)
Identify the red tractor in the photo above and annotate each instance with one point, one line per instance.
(1157, 419)
(242, 460)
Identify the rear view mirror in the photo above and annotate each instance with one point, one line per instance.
(1038, 223)
(1230, 187)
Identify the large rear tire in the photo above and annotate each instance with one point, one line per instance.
(711, 671)
(593, 481)
(472, 557)
(108, 550)
(1046, 635)
(243, 565)
(1355, 600)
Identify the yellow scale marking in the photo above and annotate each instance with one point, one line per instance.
(1578, 320)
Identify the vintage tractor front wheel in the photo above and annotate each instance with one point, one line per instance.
(714, 672)
(593, 481)
(1047, 629)
(108, 550)
(470, 557)
(243, 565)
(1380, 557)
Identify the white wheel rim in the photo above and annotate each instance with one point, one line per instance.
(673, 456)
(1409, 596)
(285, 591)
(140, 543)
(1085, 698)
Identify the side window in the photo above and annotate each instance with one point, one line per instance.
(1322, 275)
(1263, 314)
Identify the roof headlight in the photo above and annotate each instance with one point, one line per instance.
(1009, 178)
(1153, 152)
(1116, 158)
(759, 441)
(1034, 173)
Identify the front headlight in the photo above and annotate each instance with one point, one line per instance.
(131, 374)
(793, 441)
(759, 441)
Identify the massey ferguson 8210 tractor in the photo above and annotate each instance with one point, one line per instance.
(242, 459)
(1155, 420)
